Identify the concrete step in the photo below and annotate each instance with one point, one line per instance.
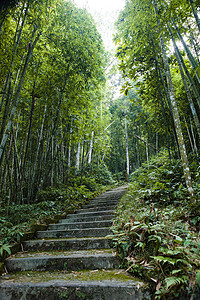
(85, 218)
(68, 244)
(92, 213)
(95, 213)
(93, 285)
(96, 209)
(89, 232)
(66, 260)
(106, 198)
(79, 225)
(100, 205)
(61, 254)
(112, 195)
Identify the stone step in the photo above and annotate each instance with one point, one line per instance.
(80, 225)
(93, 285)
(96, 209)
(67, 244)
(75, 218)
(100, 204)
(89, 232)
(92, 213)
(66, 260)
(106, 199)
(102, 207)
(111, 195)
(61, 254)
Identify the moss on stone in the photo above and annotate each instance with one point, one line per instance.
(62, 253)
(83, 275)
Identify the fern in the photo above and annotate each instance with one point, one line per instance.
(6, 248)
(171, 281)
(165, 259)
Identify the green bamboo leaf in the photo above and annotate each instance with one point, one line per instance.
(198, 277)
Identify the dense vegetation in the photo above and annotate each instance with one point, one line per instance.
(52, 74)
(52, 203)
(65, 135)
(157, 228)
(167, 79)
(52, 136)
(157, 225)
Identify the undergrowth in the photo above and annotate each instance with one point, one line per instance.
(16, 219)
(157, 229)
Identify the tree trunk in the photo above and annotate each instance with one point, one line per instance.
(195, 14)
(177, 122)
(171, 113)
(16, 99)
(191, 58)
(194, 140)
(78, 154)
(29, 133)
(194, 43)
(147, 153)
(16, 43)
(191, 81)
(189, 96)
(91, 147)
(33, 193)
(6, 112)
(82, 161)
(189, 135)
(127, 152)
(162, 103)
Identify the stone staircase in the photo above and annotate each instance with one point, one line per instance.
(73, 259)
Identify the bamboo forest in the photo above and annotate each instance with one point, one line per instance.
(99, 151)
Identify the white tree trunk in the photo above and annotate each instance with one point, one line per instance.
(193, 136)
(91, 147)
(127, 153)
(78, 154)
(69, 157)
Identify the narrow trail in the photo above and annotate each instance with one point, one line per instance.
(73, 259)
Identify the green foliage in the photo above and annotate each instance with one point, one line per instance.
(85, 181)
(140, 59)
(161, 179)
(198, 277)
(59, 103)
(154, 229)
(4, 247)
(17, 219)
(126, 107)
(100, 174)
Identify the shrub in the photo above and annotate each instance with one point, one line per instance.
(156, 229)
(101, 174)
